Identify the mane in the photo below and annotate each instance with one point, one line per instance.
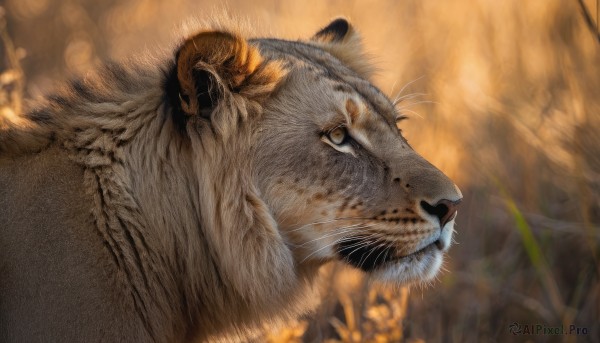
(110, 98)
(120, 125)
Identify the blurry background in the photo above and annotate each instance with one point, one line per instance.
(504, 97)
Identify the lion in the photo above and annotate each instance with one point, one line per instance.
(195, 197)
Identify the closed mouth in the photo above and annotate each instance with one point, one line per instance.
(369, 254)
(435, 245)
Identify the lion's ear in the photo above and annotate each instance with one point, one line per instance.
(209, 65)
(335, 32)
(341, 40)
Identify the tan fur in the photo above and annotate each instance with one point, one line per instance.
(348, 50)
(194, 199)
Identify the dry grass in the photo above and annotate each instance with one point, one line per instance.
(504, 97)
(11, 75)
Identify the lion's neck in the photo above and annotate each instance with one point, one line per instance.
(222, 246)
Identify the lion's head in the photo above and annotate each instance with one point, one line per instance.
(325, 154)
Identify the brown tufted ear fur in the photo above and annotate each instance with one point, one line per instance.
(209, 64)
(341, 40)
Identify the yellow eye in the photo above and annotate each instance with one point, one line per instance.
(338, 135)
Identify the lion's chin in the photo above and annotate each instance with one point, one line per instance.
(419, 267)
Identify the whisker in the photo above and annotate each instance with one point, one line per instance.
(361, 262)
(409, 96)
(393, 86)
(413, 112)
(387, 246)
(336, 232)
(324, 247)
(381, 241)
(360, 244)
(316, 251)
(328, 221)
(401, 108)
(410, 83)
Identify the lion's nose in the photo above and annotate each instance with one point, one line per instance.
(445, 210)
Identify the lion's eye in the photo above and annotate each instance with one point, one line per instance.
(338, 135)
(339, 139)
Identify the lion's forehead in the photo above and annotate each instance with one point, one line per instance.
(331, 80)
